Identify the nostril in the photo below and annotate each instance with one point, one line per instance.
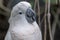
(20, 12)
(28, 16)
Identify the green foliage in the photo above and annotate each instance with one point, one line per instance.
(52, 1)
(32, 3)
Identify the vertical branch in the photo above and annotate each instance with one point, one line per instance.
(49, 25)
(45, 29)
(54, 25)
(3, 7)
(38, 12)
(56, 1)
(37, 4)
(5, 11)
(59, 1)
(9, 4)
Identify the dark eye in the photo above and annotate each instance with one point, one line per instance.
(20, 12)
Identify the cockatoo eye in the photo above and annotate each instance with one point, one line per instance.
(20, 12)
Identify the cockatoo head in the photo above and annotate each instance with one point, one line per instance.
(23, 10)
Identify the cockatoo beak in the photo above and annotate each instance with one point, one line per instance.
(31, 16)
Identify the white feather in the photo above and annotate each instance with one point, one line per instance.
(19, 28)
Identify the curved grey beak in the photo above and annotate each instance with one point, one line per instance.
(30, 15)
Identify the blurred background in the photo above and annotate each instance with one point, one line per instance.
(49, 25)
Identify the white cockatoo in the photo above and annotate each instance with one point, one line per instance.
(23, 24)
